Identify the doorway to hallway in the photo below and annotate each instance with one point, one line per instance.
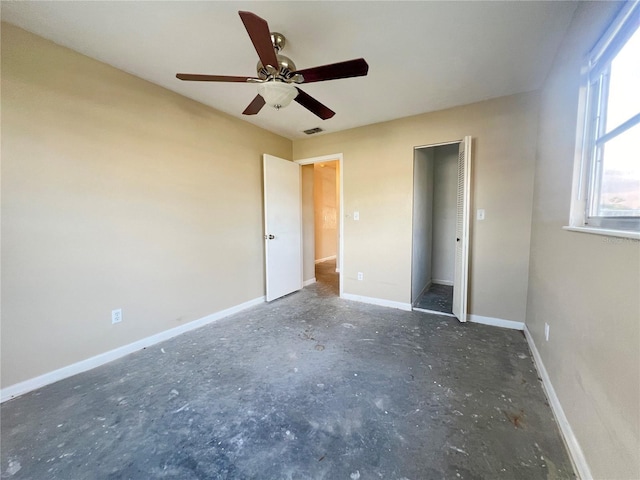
(327, 279)
(322, 223)
(325, 212)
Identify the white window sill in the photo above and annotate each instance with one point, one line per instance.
(605, 231)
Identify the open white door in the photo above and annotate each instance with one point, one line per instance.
(282, 226)
(461, 272)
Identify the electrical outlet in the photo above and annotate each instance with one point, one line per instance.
(116, 316)
(360, 276)
(546, 331)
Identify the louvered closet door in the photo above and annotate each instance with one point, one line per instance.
(461, 272)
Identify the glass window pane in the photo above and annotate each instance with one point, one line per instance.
(624, 95)
(620, 183)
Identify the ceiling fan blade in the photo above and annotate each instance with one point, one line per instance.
(258, 31)
(313, 105)
(213, 78)
(334, 71)
(255, 106)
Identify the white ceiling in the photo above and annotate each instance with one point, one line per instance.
(422, 56)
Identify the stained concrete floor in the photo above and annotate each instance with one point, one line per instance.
(438, 298)
(306, 387)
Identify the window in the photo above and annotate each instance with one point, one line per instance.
(610, 181)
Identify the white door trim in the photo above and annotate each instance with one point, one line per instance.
(329, 158)
(441, 144)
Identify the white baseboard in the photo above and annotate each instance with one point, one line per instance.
(377, 301)
(26, 386)
(448, 283)
(496, 322)
(331, 257)
(433, 312)
(311, 281)
(575, 451)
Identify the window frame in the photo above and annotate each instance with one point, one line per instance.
(591, 135)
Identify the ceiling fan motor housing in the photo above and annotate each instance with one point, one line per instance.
(285, 68)
(278, 41)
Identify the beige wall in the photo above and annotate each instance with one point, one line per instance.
(378, 180)
(308, 228)
(586, 287)
(117, 194)
(326, 210)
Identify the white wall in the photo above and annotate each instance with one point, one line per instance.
(586, 287)
(422, 221)
(444, 212)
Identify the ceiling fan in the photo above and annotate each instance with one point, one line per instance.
(277, 75)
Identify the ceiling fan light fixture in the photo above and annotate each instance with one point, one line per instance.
(277, 94)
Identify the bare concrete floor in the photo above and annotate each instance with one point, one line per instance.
(438, 298)
(307, 387)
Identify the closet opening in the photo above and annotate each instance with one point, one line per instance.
(440, 228)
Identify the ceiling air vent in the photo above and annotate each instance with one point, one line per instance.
(311, 131)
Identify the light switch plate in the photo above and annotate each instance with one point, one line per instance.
(356, 215)
(480, 215)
